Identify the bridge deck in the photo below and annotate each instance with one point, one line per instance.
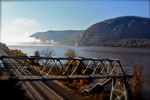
(60, 77)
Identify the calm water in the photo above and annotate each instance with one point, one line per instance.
(127, 56)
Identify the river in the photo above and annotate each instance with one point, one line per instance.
(127, 56)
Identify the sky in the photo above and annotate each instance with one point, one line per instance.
(20, 19)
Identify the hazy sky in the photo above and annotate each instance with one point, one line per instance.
(20, 19)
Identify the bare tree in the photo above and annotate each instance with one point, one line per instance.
(47, 52)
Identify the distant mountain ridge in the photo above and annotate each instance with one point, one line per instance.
(125, 31)
(69, 37)
(112, 31)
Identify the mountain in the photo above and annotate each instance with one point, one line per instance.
(69, 37)
(120, 31)
(125, 31)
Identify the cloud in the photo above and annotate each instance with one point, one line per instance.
(23, 25)
(19, 30)
(24, 22)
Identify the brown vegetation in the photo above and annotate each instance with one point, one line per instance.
(11, 52)
(137, 81)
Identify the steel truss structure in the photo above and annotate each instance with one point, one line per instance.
(102, 71)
